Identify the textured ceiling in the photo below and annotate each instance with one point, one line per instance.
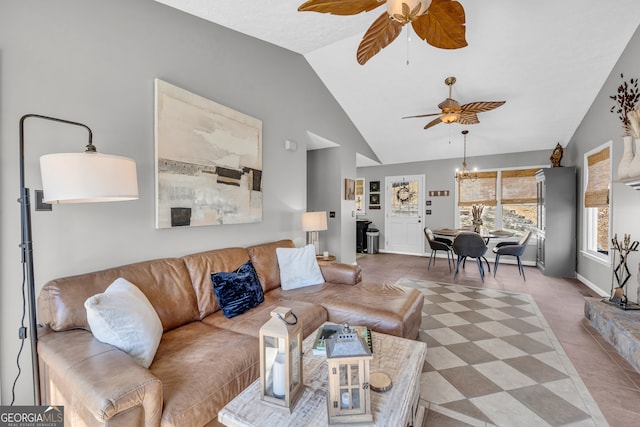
(547, 58)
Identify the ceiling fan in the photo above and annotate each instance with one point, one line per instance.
(453, 112)
(438, 22)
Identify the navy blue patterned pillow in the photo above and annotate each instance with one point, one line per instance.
(237, 291)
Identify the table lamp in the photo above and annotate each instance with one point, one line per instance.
(312, 222)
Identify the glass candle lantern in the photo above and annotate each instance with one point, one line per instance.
(348, 358)
(281, 359)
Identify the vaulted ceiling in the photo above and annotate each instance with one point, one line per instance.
(547, 58)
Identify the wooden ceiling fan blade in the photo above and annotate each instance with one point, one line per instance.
(379, 35)
(481, 106)
(423, 115)
(468, 118)
(339, 7)
(433, 123)
(443, 26)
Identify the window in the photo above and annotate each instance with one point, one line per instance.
(480, 191)
(597, 181)
(509, 197)
(518, 200)
(404, 198)
(360, 196)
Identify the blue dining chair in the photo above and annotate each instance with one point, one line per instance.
(438, 244)
(468, 244)
(515, 249)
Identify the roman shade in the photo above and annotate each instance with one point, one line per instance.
(596, 194)
(480, 191)
(518, 186)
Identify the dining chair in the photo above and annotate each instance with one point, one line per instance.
(468, 244)
(438, 244)
(515, 249)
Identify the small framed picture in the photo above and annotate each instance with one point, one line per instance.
(374, 186)
(428, 203)
(428, 212)
(349, 189)
(374, 199)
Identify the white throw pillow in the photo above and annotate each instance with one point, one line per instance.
(123, 317)
(298, 267)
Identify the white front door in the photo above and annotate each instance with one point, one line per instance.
(404, 204)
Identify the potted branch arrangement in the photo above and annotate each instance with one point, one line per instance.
(626, 101)
(476, 215)
(634, 123)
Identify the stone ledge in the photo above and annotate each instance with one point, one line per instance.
(619, 327)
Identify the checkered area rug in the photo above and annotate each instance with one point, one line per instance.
(493, 360)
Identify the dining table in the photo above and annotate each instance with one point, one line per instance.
(486, 235)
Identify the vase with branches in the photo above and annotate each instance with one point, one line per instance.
(626, 100)
(476, 217)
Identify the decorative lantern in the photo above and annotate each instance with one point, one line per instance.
(348, 358)
(281, 359)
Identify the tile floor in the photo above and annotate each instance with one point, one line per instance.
(612, 382)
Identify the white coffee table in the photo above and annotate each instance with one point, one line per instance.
(400, 358)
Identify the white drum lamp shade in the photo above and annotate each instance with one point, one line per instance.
(88, 178)
(314, 221)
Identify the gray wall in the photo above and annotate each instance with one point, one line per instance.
(94, 62)
(439, 175)
(599, 126)
(327, 170)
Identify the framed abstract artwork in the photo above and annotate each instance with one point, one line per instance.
(208, 161)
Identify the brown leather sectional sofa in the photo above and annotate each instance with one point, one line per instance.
(204, 359)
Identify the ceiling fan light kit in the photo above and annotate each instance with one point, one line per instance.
(449, 118)
(441, 23)
(405, 11)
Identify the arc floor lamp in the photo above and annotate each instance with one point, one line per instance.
(68, 178)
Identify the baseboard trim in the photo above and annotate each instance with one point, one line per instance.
(592, 286)
(383, 251)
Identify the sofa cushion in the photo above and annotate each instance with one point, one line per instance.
(202, 368)
(200, 266)
(311, 316)
(298, 267)
(344, 274)
(389, 309)
(165, 282)
(124, 318)
(237, 291)
(265, 262)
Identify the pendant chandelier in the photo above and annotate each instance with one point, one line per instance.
(465, 173)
